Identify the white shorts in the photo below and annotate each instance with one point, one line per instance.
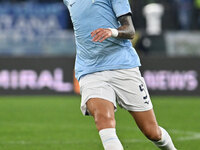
(125, 87)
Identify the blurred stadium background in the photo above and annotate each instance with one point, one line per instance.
(39, 100)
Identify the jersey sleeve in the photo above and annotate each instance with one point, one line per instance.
(66, 2)
(121, 7)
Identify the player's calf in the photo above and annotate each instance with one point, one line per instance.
(153, 133)
(165, 143)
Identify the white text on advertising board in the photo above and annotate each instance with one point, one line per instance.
(171, 80)
(30, 79)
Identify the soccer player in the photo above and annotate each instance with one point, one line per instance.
(107, 68)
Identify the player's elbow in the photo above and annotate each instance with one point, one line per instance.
(131, 34)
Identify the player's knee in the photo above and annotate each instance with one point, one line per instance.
(153, 134)
(103, 121)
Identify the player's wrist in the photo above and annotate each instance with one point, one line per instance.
(114, 32)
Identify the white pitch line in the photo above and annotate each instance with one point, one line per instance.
(194, 137)
(189, 135)
(23, 142)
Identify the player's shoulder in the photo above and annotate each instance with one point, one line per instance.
(69, 2)
(66, 2)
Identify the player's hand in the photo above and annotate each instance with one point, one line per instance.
(101, 34)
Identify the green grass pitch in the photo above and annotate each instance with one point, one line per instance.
(56, 123)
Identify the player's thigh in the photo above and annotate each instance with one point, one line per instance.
(144, 119)
(100, 106)
(103, 112)
(147, 123)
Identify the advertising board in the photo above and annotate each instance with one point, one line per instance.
(36, 75)
(172, 76)
(55, 75)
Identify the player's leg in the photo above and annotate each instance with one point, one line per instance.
(99, 100)
(133, 95)
(103, 114)
(147, 123)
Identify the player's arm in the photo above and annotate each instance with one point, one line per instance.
(125, 31)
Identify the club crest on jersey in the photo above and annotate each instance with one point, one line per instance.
(72, 4)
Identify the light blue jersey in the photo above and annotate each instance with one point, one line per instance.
(111, 54)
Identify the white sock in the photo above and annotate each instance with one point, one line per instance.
(166, 142)
(110, 140)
